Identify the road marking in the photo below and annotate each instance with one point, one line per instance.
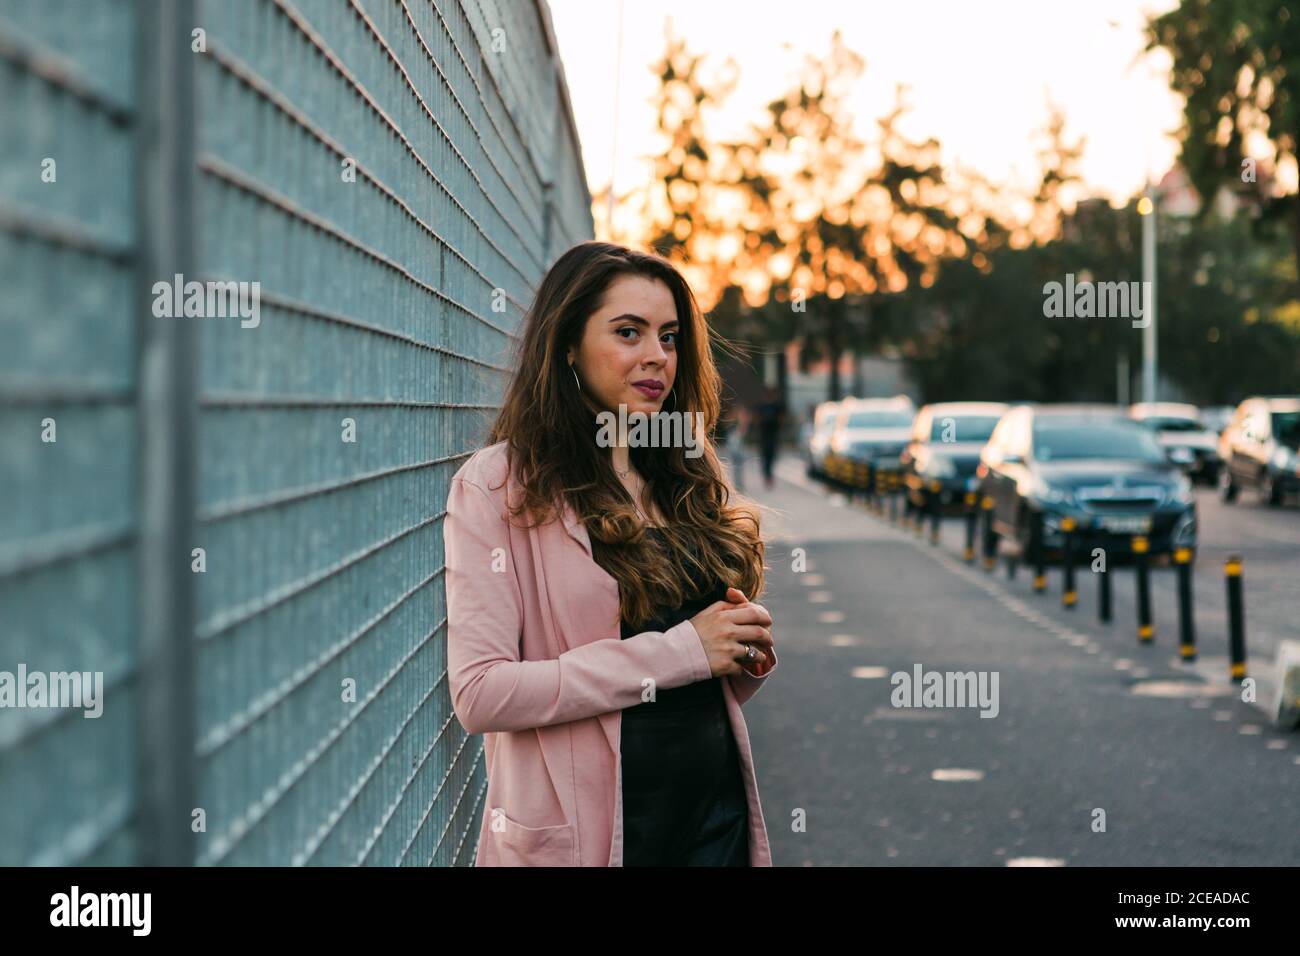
(830, 617)
(956, 773)
(845, 640)
(870, 673)
(1177, 688)
(1035, 861)
(820, 597)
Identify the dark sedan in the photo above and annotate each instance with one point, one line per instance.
(947, 437)
(1100, 468)
(1189, 444)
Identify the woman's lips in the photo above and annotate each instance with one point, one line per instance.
(650, 391)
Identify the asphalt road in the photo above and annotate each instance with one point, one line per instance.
(1092, 729)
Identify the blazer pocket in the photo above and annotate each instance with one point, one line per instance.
(518, 845)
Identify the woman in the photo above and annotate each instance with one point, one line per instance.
(599, 631)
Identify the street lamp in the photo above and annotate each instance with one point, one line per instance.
(1147, 210)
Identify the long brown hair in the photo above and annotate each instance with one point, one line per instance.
(550, 428)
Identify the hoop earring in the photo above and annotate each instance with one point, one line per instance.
(575, 376)
(673, 392)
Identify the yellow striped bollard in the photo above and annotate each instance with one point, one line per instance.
(1146, 629)
(1236, 618)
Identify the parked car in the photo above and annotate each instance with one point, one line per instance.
(1260, 449)
(945, 449)
(818, 443)
(1216, 417)
(1090, 463)
(871, 432)
(1190, 445)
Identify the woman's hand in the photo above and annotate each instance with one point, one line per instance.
(727, 628)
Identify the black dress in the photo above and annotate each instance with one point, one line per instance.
(683, 793)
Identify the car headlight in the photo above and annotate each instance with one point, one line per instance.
(939, 467)
(1284, 459)
(1181, 456)
(1053, 495)
(1184, 531)
(1181, 493)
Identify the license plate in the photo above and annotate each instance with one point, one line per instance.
(1126, 524)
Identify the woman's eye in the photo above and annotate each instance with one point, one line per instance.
(673, 336)
(626, 328)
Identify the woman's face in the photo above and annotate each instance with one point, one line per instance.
(627, 344)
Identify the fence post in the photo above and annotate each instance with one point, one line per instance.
(166, 719)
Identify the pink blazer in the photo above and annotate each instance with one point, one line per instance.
(535, 663)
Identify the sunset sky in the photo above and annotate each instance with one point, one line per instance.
(979, 74)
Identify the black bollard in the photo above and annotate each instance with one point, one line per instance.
(1236, 618)
(1103, 596)
(1040, 554)
(935, 515)
(1146, 630)
(1069, 596)
(1186, 623)
(971, 515)
(990, 539)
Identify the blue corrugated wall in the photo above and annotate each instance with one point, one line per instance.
(396, 175)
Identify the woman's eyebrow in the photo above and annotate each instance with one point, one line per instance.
(629, 317)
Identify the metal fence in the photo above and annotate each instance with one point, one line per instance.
(237, 519)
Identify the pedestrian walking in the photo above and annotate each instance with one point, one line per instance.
(601, 626)
(733, 441)
(770, 417)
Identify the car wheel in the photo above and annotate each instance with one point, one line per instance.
(1227, 487)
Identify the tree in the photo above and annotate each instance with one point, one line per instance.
(836, 228)
(1237, 64)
